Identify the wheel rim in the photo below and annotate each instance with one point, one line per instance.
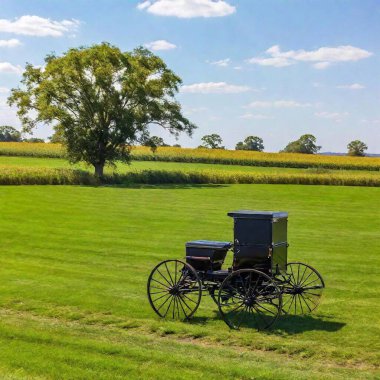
(249, 298)
(174, 290)
(302, 290)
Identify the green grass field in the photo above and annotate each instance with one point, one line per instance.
(74, 265)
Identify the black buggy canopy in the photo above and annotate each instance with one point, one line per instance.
(253, 214)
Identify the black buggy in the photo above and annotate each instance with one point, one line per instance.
(259, 286)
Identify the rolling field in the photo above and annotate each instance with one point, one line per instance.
(34, 170)
(210, 156)
(74, 265)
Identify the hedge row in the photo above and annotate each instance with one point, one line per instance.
(42, 176)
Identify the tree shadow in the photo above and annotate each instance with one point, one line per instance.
(159, 186)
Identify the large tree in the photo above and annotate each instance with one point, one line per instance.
(305, 144)
(9, 134)
(101, 100)
(212, 141)
(357, 148)
(251, 143)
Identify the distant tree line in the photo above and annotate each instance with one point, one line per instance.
(306, 144)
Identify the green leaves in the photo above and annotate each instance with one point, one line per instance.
(101, 100)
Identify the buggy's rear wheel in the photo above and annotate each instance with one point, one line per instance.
(248, 297)
(302, 290)
(174, 290)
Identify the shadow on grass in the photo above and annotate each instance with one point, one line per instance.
(160, 186)
(286, 324)
(296, 324)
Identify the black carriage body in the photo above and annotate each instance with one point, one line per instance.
(260, 240)
(206, 255)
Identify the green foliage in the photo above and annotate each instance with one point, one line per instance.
(357, 148)
(57, 137)
(305, 144)
(102, 100)
(34, 140)
(9, 134)
(212, 141)
(154, 142)
(251, 143)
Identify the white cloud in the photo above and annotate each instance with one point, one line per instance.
(321, 65)
(13, 42)
(277, 104)
(222, 62)
(38, 26)
(237, 67)
(4, 90)
(255, 116)
(354, 86)
(6, 67)
(322, 57)
(335, 116)
(275, 61)
(187, 8)
(214, 88)
(370, 121)
(160, 45)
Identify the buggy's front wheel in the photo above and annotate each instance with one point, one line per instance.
(174, 290)
(248, 297)
(302, 289)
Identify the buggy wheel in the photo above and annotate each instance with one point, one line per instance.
(174, 290)
(249, 298)
(302, 289)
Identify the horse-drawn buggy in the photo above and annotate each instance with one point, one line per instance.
(258, 287)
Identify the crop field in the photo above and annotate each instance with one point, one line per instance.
(211, 156)
(34, 170)
(74, 265)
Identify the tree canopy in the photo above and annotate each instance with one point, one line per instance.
(9, 134)
(213, 141)
(101, 100)
(251, 143)
(305, 144)
(357, 148)
(154, 142)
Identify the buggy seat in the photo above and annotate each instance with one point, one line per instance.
(206, 254)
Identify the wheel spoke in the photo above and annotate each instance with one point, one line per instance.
(155, 300)
(169, 296)
(171, 300)
(310, 274)
(305, 302)
(166, 266)
(153, 279)
(311, 282)
(303, 274)
(269, 311)
(180, 302)
(168, 282)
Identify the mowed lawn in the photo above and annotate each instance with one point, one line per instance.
(74, 263)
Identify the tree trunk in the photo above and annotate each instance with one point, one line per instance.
(99, 170)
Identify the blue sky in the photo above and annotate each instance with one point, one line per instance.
(275, 68)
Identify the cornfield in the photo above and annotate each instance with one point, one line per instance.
(47, 176)
(212, 156)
